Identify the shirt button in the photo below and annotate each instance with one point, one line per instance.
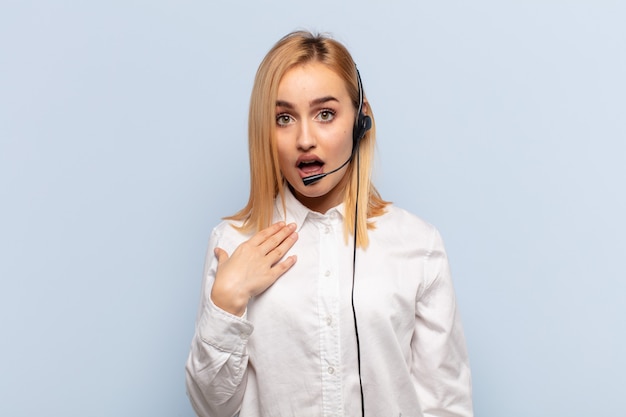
(327, 230)
(331, 370)
(327, 273)
(329, 320)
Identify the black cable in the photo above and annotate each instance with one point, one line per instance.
(356, 328)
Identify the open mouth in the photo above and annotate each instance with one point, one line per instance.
(310, 167)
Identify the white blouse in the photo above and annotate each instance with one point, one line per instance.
(294, 352)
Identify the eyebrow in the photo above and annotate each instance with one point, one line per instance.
(317, 101)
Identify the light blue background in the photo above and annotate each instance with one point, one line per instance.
(123, 142)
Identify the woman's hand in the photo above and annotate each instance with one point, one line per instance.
(253, 267)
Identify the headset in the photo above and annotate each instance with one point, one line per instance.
(362, 124)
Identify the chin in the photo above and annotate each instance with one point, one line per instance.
(319, 189)
(310, 191)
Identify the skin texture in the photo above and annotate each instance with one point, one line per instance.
(315, 118)
(314, 122)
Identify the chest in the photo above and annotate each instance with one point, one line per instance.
(317, 291)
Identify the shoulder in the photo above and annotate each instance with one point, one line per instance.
(228, 235)
(403, 221)
(404, 227)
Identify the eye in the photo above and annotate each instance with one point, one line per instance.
(326, 115)
(283, 119)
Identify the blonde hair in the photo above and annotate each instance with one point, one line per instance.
(266, 180)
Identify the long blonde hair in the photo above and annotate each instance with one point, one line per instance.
(266, 180)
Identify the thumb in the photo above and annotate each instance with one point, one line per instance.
(221, 255)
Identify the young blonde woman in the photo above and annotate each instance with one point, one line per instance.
(320, 298)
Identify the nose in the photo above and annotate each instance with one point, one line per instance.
(306, 139)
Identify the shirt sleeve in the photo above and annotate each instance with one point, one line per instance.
(218, 359)
(440, 367)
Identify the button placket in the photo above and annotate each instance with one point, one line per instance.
(328, 292)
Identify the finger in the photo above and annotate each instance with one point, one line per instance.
(276, 272)
(221, 255)
(277, 238)
(280, 268)
(279, 251)
(264, 234)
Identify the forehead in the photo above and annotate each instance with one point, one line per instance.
(312, 78)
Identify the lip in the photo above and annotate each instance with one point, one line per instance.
(310, 170)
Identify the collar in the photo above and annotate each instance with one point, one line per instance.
(298, 213)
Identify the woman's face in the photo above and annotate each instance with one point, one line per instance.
(314, 122)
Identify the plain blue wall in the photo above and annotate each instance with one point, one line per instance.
(123, 141)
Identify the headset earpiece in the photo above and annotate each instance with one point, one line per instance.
(362, 123)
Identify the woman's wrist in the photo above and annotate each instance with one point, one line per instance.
(229, 303)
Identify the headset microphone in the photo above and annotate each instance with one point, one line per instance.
(315, 178)
(361, 126)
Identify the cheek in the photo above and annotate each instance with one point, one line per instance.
(346, 139)
(283, 154)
